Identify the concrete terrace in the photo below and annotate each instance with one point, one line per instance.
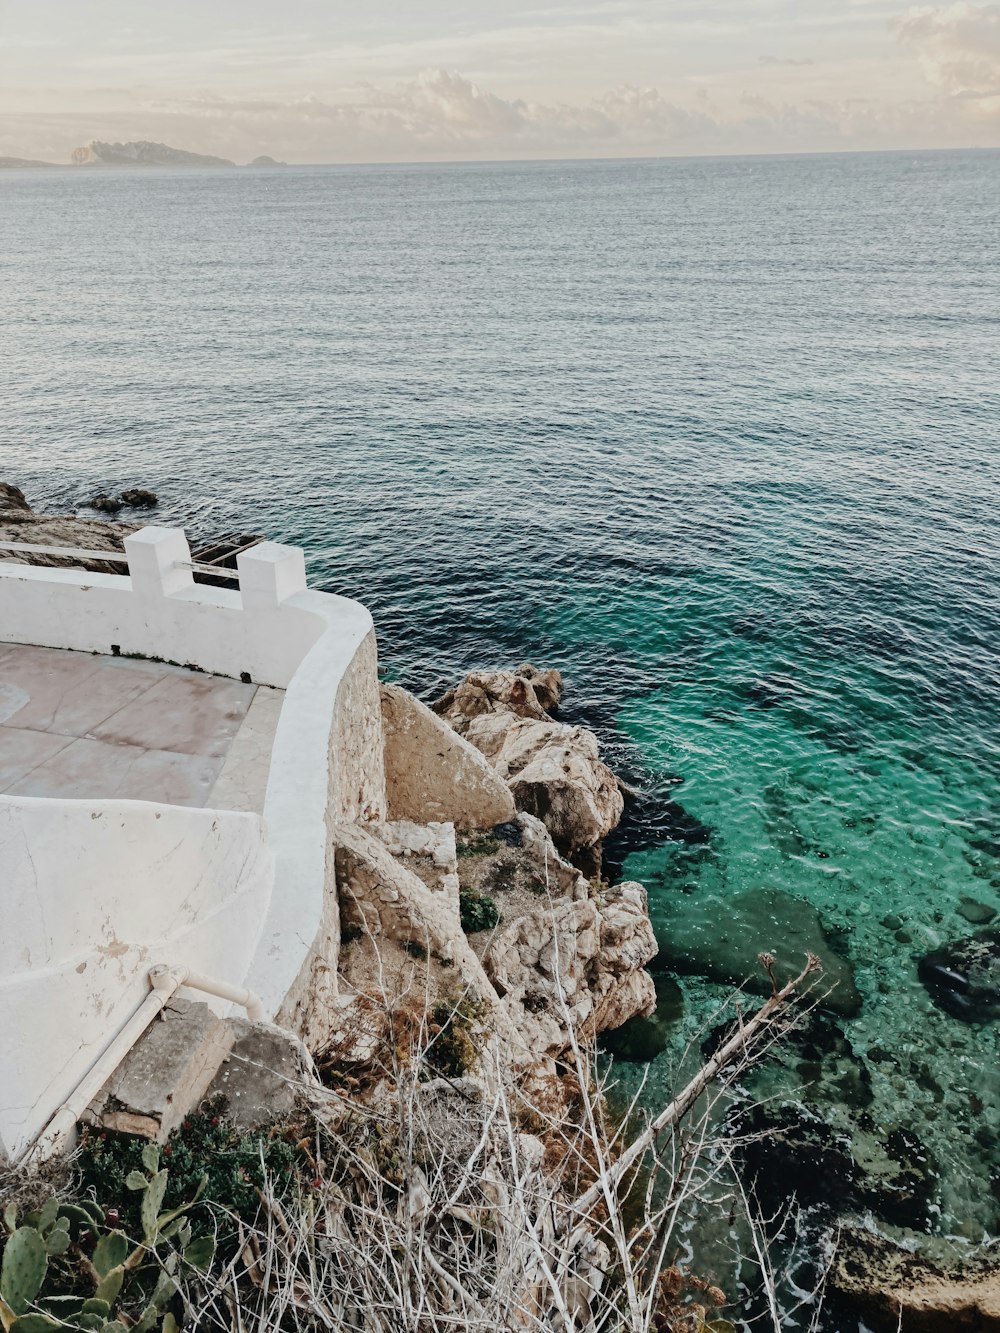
(78, 725)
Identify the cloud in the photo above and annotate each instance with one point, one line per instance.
(959, 49)
(442, 109)
(444, 115)
(788, 62)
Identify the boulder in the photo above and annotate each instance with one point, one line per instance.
(138, 498)
(963, 977)
(554, 771)
(12, 500)
(902, 1293)
(576, 963)
(264, 1076)
(432, 774)
(526, 692)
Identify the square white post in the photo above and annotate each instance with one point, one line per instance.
(269, 574)
(159, 561)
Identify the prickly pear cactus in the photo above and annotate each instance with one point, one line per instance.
(24, 1266)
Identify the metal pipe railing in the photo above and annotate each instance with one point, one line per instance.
(120, 558)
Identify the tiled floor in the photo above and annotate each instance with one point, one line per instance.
(73, 724)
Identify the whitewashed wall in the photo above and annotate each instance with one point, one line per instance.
(159, 611)
(121, 885)
(93, 894)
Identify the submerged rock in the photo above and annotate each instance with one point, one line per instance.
(976, 913)
(852, 1165)
(721, 939)
(138, 498)
(644, 1037)
(963, 977)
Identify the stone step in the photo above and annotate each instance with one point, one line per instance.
(189, 1054)
(167, 1072)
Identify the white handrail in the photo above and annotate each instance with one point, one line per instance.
(120, 558)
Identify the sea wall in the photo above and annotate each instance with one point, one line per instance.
(261, 630)
(244, 899)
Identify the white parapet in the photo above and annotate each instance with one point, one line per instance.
(270, 574)
(93, 893)
(159, 562)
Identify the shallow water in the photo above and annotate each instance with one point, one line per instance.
(720, 439)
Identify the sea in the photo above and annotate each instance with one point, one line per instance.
(717, 438)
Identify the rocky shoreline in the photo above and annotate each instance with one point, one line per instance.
(508, 908)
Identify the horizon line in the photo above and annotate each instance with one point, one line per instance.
(89, 168)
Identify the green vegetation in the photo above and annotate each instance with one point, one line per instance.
(478, 911)
(64, 1267)
(474, 844)
(206, 1148)
(454, 1026)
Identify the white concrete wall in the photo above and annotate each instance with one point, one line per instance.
(158, 611)
(326, 767)
(94, 893)
(107, 887)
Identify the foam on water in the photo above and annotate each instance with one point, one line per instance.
(720, 439)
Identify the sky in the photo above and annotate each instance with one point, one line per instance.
(433, 80)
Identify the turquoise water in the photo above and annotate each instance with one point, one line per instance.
(720, 439)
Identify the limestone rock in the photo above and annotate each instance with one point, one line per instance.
(264, 1075)
(517, 863)
(900, 1291)
(526, 692)
(574, 962)
(403, 939)
(554, 771)
(432, 774)
(429, 850)
(644, 1037)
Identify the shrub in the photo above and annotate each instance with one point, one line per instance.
(478, 911)
(453, 1050)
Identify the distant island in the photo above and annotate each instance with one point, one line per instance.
(142, 153)
(22, 162)
(138, 153)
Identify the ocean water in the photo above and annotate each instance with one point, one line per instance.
(720, 439)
